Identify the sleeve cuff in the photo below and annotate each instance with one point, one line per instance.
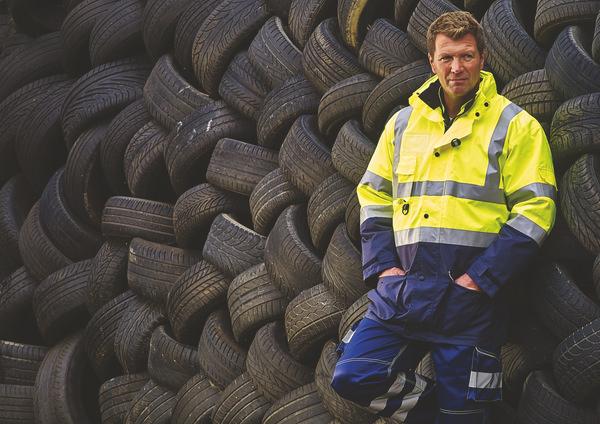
(478, 273)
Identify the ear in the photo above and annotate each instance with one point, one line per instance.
(482, 61)
(431, 62)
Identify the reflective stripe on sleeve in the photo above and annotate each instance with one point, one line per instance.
(376, 182)
(444, 235)
(530, 191)
(376, 211)
(528, 227)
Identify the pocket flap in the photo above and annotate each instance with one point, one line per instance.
(406, 165)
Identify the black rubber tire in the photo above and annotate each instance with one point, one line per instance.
(305, 15)
(425, 12)
(571, 70)
(101, 93)
(108, 274)
(153, 268)
(291, 260)
(233, 247)
(132, 338)
(352, 151)
(386, 48)
(73, 237)
(17, 322)
(403, 10)
(393, 90)
(171, 363)
(304, 157)
(99, 336)
(219, 355)
(511, 51)
(16, 404)
(188, 154)
(158, 25)
(59, 302)
(240, 20)
(40, 256)
(65, 390)
(596, 41)
(541, 402)
(353, 314)
(552, 15)
(325, 60)
(242, 87)
(195, 401)
(344, 101)
(117, 34)
(273, 53)
(115, 396)
(129, 217)
(280, 8)
(579, 199)
(153, 403)
(253, 301)
(326, 209)
(199, 291)
(169, 98)
(302, 405)
(35, 17)
(237, 167)
(311, 318)
(240, 402)
(270, 197)
(195, 210)
(576, 128)
(295, 97)
(19, 363)
(271, 366)
(355, 16)
(532, 91)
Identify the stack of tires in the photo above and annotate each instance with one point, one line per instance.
(179, 229)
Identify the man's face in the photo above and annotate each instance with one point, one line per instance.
(457, 64)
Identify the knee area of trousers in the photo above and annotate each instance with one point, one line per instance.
(347, 383)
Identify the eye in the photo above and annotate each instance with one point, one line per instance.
(468, 57)
(445, 59)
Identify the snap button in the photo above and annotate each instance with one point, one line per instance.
(405, 208)
(421, 277)
(455, 142)
(477, 114)
(436, 154)
(426, 216)
(486, 104)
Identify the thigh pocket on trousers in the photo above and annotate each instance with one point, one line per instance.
(485, 381)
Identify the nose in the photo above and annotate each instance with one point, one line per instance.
(456, 65)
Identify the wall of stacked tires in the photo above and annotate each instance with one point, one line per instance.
(179, 229)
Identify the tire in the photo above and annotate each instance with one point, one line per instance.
(237, 167)
(17, 322)
(552, 16)
(85, 104)
(240, 403)
(242, 87)
(571, 70)
(352, 151)
(301, 405)
(304, 157)
(153, 268)
(279, 8)
(270, 197)
(575, 128)
(64, 386)
(403, 10)
(393, 90)
(291, 260)
(542, 403)
(355, 16)
(171, 363)
(532, 91)
(273, 54)
(232, 247)
(281, 107)
(253, 301)
(270, 365)
(578, 197)
(195, 401)
(117, 34)
(352, 315)
(219, 355)
(153, 403)
(158, 25)
(386, 49)
(129, 217)
(169, 98)
(344, 101)
(20, 363)
(342, 271)
(425, 12)
(305, 15)
(325, 60)
(199, 291)
(240, 19)
(326, 209)
(188, 154)
(596, 41)
(59, 302)
(16, 404)
(108, 274)
(99, 336)
(311, 318)
(116, 394)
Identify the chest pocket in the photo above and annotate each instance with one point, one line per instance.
(405, 173)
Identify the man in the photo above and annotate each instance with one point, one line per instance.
(457, 198)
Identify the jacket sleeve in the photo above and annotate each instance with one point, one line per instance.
(530, 192)
(376, 209)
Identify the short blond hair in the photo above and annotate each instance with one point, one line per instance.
(455, 25)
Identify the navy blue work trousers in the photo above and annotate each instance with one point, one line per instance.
(377, 370)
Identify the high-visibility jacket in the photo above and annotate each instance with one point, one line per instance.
(477, 197)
